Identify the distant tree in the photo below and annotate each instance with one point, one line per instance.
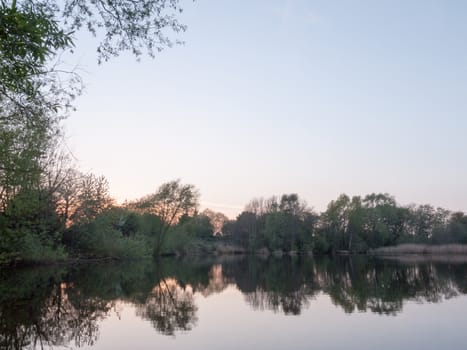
(278, 223)
(356, 221)
(197, 227)
(217, 220)
(378, 199)
(170, 203)
(67, 194)
(286, 228)
(335, 222)
(423, 219)
(257, 206)
(291, 204)
(92, 198)
(276, 231)
(245, 230)
(455, 231)
(384, 221)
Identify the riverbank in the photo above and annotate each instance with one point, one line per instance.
(212, 249)
(421, 249)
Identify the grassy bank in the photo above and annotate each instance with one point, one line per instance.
(421, 249)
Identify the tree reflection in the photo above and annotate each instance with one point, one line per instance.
(47, 307)
(290, 303)
(217, 281)
(281, 285)
(382, 286)
(169, 307)
(353, 283)
(39, 314)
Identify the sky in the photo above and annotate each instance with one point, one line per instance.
(268, 97)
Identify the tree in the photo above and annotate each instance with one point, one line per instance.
(356, 220)
(424, 219)
(36, 93)
(383, 220)
(34, 96)
(92, 198)
(278, 223)
(171, 201)
(30, 35)
(127, 25)
(244, 230)
(290, 204)
(67, 194)
(335, 222)
(32, 31)
(217, 220)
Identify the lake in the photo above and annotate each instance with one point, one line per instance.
(235, 302)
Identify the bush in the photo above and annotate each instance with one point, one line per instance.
(23, 246)
(321, 245)
(36, 250)
(149, 225)
(113, 233)
(101, 242)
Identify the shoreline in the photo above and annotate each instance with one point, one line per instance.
(407, 252)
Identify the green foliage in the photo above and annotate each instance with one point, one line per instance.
(150, 224)
(455, 231)
(122, 233)
(171, 202)
(92, 198)
(21, 246)
(352, 225)
(246, 231)
(30, 230)
(38, 197)
(177, 241)
(321, 245)
(278, 225)
(34, 248)
(114, 233)
(30, 34)
(126, 25)
(193, 235)
(276, 231)
(200, 227)
(31, 96)
(104, 242)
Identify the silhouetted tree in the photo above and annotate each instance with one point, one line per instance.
(171, 201)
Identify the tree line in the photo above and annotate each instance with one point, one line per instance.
(353, 225)
(72, 215)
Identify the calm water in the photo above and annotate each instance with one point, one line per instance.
(238, 303)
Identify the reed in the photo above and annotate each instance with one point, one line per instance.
(456, 249)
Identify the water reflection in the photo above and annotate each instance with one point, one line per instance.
(39, 308)
(46, 307)
(169, 307)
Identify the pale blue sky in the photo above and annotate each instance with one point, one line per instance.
(271, 97)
